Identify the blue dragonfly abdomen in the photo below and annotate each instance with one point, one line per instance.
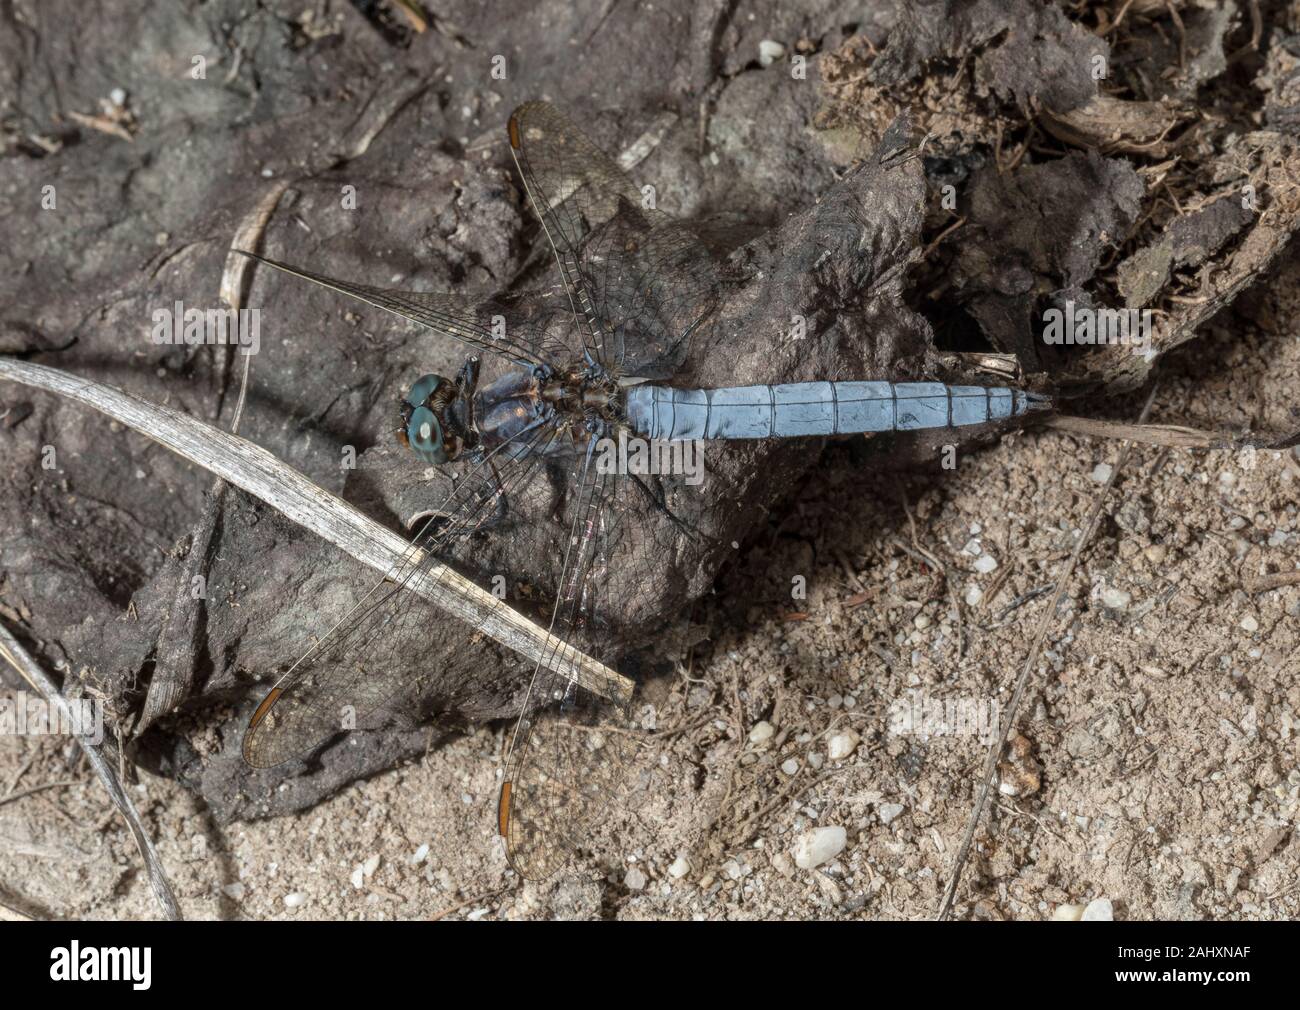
(803, 409)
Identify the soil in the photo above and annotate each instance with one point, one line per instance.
(876, 605)
(1164, 732)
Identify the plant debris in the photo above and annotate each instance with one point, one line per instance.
(1109, 160)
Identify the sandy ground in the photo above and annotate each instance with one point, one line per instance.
(1157, 765)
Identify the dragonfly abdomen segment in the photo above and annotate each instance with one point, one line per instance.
(802, 409)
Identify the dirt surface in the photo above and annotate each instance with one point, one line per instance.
(1154, 759)
(1163, 733)
(307, 103)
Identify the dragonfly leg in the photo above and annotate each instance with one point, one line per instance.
(467, 378)
(461, 413)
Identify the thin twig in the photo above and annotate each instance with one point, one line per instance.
(452, 909)
(1276, 580)
(995, 750)
(1182, 33)
(942, 572)
(1119, 18)
(30, 671)
(11, 797)
(8, 913)
(22, 770)
(1169, 435)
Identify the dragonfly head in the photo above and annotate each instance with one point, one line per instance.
(425, 429)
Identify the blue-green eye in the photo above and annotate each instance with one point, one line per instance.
(423, 388)
(424, 434)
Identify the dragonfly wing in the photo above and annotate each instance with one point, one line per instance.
(638, 279)
(656, 287)
(356, 667)
(522, 334)
(569, 752)
(573, 184)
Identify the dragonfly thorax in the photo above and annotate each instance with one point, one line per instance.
(586, 400)
(576, 405)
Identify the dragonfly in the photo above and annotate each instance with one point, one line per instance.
(587, 361)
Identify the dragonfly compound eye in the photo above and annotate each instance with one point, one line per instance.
(423, 388)
(423, 430)
(424, 435)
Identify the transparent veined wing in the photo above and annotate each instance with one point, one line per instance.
(568, 757)
(640, 282)
(354, 668)
(527, 332)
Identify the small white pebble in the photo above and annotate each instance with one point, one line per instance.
(421, 854)
(1116, 599)
(635, 880)
(358, 878)
(117, 96)
(842, 744)
(973, 595)
(818, 846)
(294, 900)
(888, 811)
(769, 51)
(922, 621)
(1248, 623)
(1067, 913)
(370, 865)
(680, 867)
(762, 732)
(790, 766)
(1101, 472)
(1099, 910)
(235, 890)
(985, 563)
